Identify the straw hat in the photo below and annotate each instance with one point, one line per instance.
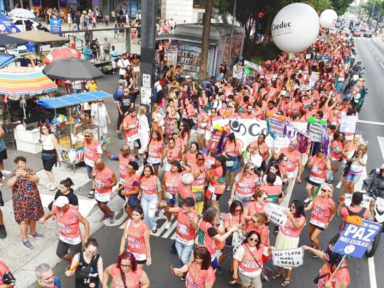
(174, 84)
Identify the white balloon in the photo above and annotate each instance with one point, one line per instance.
(295, 27)
(328, 18)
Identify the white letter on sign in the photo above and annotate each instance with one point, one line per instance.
(370, 232)
(350, 229)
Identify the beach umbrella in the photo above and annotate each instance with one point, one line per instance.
(60, 54)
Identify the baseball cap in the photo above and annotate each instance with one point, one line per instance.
(94, 39)
(121, 81)
(187, 77)
(61, 201)
(219, 77)
(189, 201)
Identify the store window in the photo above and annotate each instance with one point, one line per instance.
(199, 4)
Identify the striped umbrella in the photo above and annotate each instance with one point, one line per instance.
(24, 81)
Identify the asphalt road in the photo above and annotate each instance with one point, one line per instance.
(371, 53)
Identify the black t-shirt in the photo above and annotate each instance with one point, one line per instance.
(134, 96)
(223, 68)
(126, 102)
(71, 197)
(212, 232)
(93, 47)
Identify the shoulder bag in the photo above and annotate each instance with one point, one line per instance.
(123, 278)
(266, 272)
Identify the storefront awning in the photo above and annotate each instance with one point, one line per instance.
(165, 37)
(73, 99)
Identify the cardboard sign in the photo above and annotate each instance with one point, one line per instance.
(288, 257)
(348, 124)
(305, 87)
(365, 203)
(277, 126)
(145, 95)
(276, 213)
(356, 89)
(355, 240)
(313, 79)
(147, 80)
(315, 131)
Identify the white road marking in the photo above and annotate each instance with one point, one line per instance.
(372, 274)
(370, 122)
(381, 64)
(363, 39)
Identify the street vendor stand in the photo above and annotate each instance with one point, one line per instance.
(71, 150)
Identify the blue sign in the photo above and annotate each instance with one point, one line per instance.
(348, 124)
(56, 26)
(6, 26)
(355, 240)
(2, 8)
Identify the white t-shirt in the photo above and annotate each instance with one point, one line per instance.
(100, 115)
(124, 64)
(239, 257)
(278, 181)
(356, 167)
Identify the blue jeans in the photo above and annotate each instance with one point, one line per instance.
(149, 204)
(184, 251)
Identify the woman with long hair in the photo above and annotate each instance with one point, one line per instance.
(190, 157)
(232, 151)
(235, 216)
(243, 265)
(157, 119)
(131, 186)
(289, 236)
(126, 266)
(170, 183)
(323, 212)
(337, 147)
(87, 261)
(143, 129)
(245, 184)
(185, 134)
(136, 67)
(150, 196)
(155, 150)
(172, 153)
(50, 154)
(170, 120)
(259, 200)
(135, 238)
(259, 220)
(216, 180)
(200, 272)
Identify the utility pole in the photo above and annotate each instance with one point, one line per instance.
(230, 64)
(370, 18)
(205, 44)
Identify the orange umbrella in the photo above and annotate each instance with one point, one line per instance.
(60, 54)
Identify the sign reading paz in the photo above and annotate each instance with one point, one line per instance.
(355, 240)
(288, 257)
(348, 124)
(276, 213)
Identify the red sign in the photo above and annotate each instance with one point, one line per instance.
(215, 140)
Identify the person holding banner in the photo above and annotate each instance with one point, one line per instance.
(248, 264)
(289, 236)
(323, 212)
(319, 165)
(245, 185)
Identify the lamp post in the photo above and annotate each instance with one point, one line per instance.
(233, 24)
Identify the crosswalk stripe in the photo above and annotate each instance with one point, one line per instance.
(374, 40)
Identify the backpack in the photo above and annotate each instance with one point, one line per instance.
(116, 95)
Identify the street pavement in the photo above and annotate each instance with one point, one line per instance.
(364, 272)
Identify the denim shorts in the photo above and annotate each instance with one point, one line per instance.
(235, 165)
(89, 171)
(171, 201)
(353, 177)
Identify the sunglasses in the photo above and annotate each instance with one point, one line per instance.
(200, 159)
(321, 151)
(325, 190)
(238, 210)
(87, 136)
(250, 239)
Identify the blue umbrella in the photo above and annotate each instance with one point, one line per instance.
(6, 58)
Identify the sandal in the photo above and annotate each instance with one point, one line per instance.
(276, 231)
(286, 282)
(233, 282)
(277, 275)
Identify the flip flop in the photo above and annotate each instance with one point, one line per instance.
(286, 283)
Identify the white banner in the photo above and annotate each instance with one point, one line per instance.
(288, 257)
(365, 203)
(313, 79)
(276, 213)
(252, 66)
(247, 131)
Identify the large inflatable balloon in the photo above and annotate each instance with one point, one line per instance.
(295, 27)
(328, 18)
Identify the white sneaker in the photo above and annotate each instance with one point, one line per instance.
(309, 199)
(90, 194)
(48, 186)
(5, 172)
(168, 225)
(338, 185)
(53, 187)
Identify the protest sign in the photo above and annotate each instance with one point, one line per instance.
(276, 213)
(355, 239)
(215, 140)
(56, 26)
(348, 124)
(315, 131)
(252, 66)
(248, 130)
(313, 79)
(305, 87)
(276, 126)
(365, 203)
(288, 257)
